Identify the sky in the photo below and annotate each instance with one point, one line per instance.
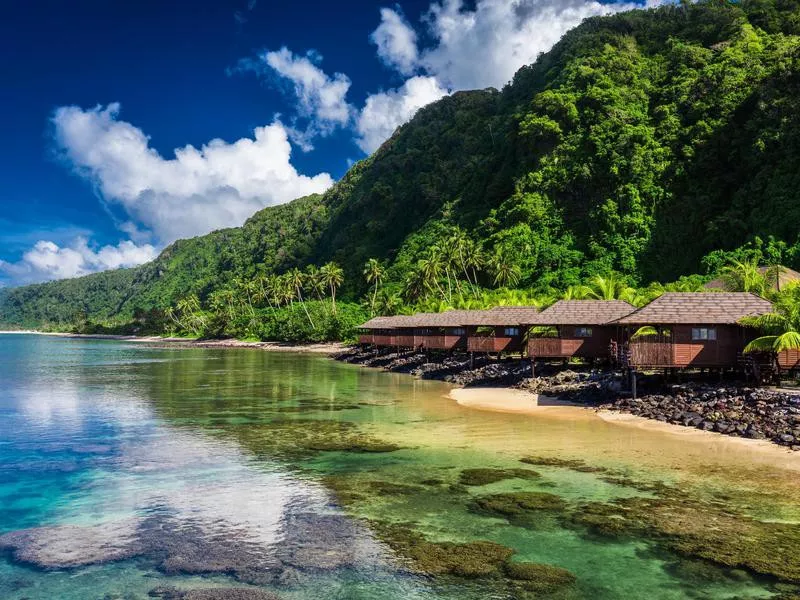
(130, 124)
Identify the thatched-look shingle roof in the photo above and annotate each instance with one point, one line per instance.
(582, 312)
(499, 316)
(702, 308)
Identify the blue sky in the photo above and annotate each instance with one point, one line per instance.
(128, 125)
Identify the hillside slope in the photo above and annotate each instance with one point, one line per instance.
(638, 144)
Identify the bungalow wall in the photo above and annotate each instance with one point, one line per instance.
(583, 341)
(683, 349)
(789, 360)
(498, 339)
(442, 338)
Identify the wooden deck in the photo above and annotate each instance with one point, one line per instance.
(491, 343)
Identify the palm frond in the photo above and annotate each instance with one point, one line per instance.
(788, 341)
(646, 331)
(763, 344)
(769, 322)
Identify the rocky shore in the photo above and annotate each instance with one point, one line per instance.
(727, 408)
(738, 411)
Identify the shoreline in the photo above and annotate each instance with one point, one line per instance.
(328, 348)
(513, 401)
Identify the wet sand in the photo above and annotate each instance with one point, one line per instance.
(521, 402)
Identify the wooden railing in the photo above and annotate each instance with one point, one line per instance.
(383, 340)
(552, 347)
(488, 343)
(405, 341)
(651, 354)
(440, 342)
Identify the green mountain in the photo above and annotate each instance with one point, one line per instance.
(639, 144)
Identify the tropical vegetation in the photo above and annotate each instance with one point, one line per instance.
(647, 147)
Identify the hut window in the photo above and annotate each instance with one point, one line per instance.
(583, 332)
(511, 331)
(459, 331)
(703, 334)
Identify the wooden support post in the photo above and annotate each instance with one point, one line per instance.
(533, 367)
(633, 383)
(471, 360)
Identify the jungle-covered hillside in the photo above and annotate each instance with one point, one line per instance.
(640, 144)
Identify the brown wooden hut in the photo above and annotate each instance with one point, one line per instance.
(375, 332)
(442, 331)
(579, 328)
(385, 332)
(500, 329)
(692, 329)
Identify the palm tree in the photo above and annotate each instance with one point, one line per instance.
(374, 272)
(781, 327)
(505, 272)
(415, 285)
(576, 292)
(333, 276)
(297, 280)
(314, 281)
(609, 287)
(387, 304)
(744, 276)
(431, 267)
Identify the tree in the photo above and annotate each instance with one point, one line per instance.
(781, 327)
(505, 272)
(609, 287)
(744, 276)
(297, 279)
(374, 272)
(333, 276)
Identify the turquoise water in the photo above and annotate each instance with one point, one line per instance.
(125, 467)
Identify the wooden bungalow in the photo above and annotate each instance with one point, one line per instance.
(581, 328)
(501, 329)
(387, 332)
(442, 331)
(691, 330)
(375, 332)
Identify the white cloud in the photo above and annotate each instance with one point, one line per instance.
(47, 260)
(322, 99)
(485, 46)
(218, 185)
(396, 41)
(386, 111)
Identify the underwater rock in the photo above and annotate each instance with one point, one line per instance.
(565, 463)
(479, 558)
(514, 504)
(698, 529)
(67, 546)
(485, 476)
(173, 593)
(538, 577)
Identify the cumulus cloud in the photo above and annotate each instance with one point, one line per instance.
(47, 260)
(386, 111)
(201, 189)
(396, 41)
(484, 46)
(322, 106)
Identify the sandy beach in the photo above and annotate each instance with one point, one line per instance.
(515, 401)
(318, 348)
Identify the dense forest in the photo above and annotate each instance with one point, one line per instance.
(645, 147)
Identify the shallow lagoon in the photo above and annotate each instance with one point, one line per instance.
(125, 467)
